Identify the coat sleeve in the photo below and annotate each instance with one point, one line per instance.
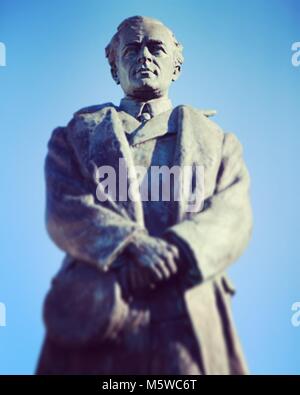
(75, 220)
(217, 236)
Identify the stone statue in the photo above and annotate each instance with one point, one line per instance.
(143, 288)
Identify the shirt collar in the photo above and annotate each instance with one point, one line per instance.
(135, 108)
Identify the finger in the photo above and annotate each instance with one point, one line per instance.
(155, 272)
(168, 247)
(151, 267)
(170, 262)
(169, 259)
(174, 250)
(162, 267)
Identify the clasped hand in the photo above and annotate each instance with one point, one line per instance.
(153, 260)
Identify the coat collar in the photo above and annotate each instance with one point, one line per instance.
(160, 125)
(135, 108)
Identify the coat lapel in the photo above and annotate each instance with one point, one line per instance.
(109, 147)
(198, 144)
(195, 158)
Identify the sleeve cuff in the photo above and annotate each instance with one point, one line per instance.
(191, 273)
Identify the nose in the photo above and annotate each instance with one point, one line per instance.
(144, 55)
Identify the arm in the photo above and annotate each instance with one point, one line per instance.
(76, 221)
(217, 236)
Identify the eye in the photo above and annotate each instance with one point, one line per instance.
(132, 50)
(156, 49)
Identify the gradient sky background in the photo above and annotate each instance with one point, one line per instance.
(238, 61)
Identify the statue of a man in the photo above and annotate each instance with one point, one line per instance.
(142, 289)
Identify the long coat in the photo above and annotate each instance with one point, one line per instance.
(98, 233)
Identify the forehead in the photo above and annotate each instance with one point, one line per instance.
(145, 31)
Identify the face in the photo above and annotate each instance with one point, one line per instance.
(145, 64)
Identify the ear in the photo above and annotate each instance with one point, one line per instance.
(176, 72)
(114, 73)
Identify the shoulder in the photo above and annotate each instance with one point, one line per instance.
(229, 142)
(207, 113)
(204, 115)
(86, 119)
(232, 145)
(94, 109)
(201, 118)
(93, 113)
(83, 119)
(229, 138)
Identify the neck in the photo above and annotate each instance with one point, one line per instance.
(146, 95)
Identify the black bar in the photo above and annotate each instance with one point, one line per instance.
(135, 384)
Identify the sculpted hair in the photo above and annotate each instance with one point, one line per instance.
(133, 22)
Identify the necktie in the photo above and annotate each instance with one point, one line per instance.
(145, 115)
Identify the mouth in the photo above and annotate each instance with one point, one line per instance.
(145, 71)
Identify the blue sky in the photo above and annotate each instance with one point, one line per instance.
(237, 61)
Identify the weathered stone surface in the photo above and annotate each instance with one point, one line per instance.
(144, 288)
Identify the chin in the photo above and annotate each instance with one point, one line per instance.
(146, 92)
(146, 89)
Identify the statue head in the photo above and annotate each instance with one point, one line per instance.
(144, 57)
